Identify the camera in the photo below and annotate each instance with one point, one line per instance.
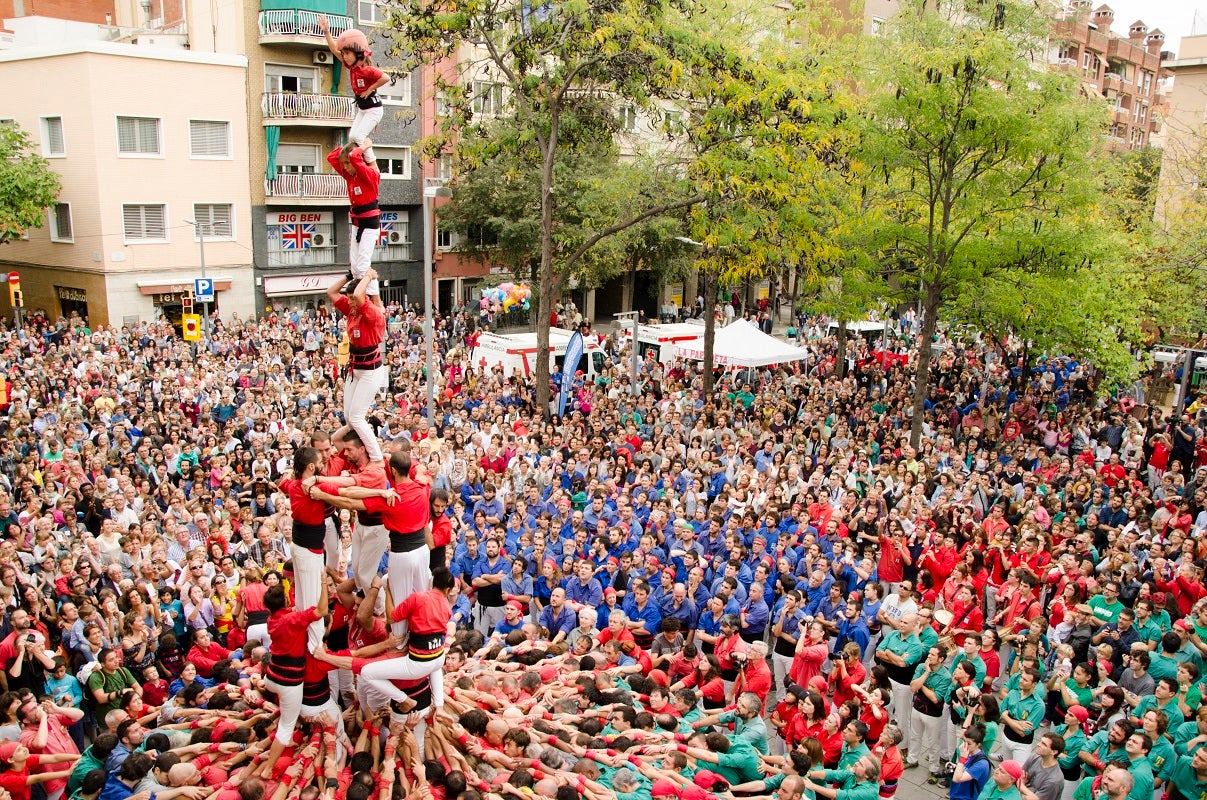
(31, 638)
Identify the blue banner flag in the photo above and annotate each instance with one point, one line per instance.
(574, 353)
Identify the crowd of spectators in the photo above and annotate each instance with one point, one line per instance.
(761, 591)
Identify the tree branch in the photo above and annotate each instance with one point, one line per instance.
(620, 226)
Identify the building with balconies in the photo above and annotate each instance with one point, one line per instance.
(299, 109)
(142, 166)
(1124, 70)
(1184, 155)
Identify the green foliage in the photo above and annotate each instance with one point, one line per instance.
(28, 186)
(980, 158)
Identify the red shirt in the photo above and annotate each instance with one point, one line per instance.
(362, 77)
(367, 326)
(15, 782)
(442, 531)
(287, 629)
(363, 182)
(302, 507)
(428, 612)
(205, 660)
(411, 512)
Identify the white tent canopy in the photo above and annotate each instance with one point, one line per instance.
(742, 344)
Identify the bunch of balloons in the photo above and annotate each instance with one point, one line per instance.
(507, 296)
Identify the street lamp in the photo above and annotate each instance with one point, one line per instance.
(432, 188)
(205, 306)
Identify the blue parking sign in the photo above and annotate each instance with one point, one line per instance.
(203, 290)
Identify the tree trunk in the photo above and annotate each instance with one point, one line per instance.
(840, 358)
(710, 327)
(930, 307)
(548, 284)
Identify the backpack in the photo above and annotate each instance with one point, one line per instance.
(978, 784)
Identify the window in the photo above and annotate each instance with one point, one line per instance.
(444, 239)
(487, 98)
(301, 239)
(674, 122)
(627, 118)
(394, 238)
(441, 104)
(145, 223)
(397, 92)
(286, 79)
(877, 26)
(371, 12)
(393, 162)
(53, 143)
(60, 223)
(215, 220)
(444, 167)
(209, 139)
(138, 136)
(297, 159)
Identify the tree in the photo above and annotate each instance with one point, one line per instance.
(542, 60)
(28, 186)
(983, 156)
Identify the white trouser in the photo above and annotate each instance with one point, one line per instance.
(364, 123)
(408, 574)
(289, 698)
(341, 684)
(780, 667)
(952, 732)
(259, 633)
(903, 699)
(315, 713)
(369, 697)
(380, 674)
(369, 543)
(488, 618)
(308, 571)
(360, 253)
(331, 543)
(924, 735)
(1015, 750)
(360, 392)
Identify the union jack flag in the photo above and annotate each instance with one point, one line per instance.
(383, 236)
(296, 237)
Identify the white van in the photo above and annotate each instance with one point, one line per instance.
(662, 339)
(516, 352)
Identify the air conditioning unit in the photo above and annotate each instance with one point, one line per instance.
(319, 240)
(395, 237)
(1066, 62)
(323, 57)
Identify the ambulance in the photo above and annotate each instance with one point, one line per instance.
(663, 340)
(516, 353)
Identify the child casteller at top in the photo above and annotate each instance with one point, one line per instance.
(352, 49)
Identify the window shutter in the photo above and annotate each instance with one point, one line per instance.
(144, 222)
(54, 135)
(209, 138)
(216, 217)
(138, 135)
(62, 221)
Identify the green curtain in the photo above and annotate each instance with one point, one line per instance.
(336, 66)
(272, 137)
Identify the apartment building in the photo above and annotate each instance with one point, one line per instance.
(142, 161)
(1184, 157)
(1125, 70)
(299, 108)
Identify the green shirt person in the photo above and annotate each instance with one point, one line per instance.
(853, 747)
(1023, 709)
(1163, 698)
(1106, 605)
(1073, 732)
(1137, 748)
(1115, 784)
(931, 677)
(1003, 782)
(861, 782)
(1190, 776)
(978, 664)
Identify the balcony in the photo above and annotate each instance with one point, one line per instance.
(1110, 80)
(314, 189)
(307, 110)
(309, 257)
(300, 27)
(393, 252)
(1123, 115)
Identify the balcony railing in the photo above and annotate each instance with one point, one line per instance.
(293, 22)
(318, 108)
(307, 186)
(309, 257)
(393, 252)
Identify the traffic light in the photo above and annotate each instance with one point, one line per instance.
(14, 290)
(191, 327)
(186, 303)
(18, 300)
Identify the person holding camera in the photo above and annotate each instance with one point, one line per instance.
(930, 687)
(24, 658)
